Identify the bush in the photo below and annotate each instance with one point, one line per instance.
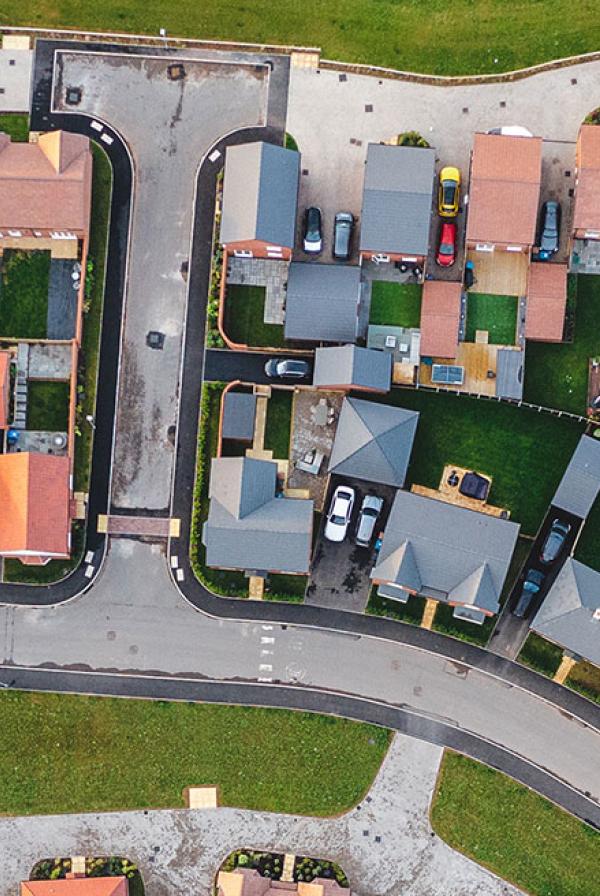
(411, 138)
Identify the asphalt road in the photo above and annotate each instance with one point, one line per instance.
(222, 365)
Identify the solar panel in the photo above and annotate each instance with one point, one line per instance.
(447, 374)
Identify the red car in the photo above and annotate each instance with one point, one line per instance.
(447, 249)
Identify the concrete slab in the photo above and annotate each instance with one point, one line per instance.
(49, 361)
(201, 797)
(63, 292)
(16, 66)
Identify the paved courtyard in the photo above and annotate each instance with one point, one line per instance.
(385, 844)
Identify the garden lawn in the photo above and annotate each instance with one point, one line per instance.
(279, 421)
(62, 753)
(515, 833)
(244, 313)
(48, 406)
(540, 655)
(24, 294)
(524, 452)
(424, 36)
(411, 611)
(15, 125)
(557, 375)
(585, 678)
(496, 314)
(395, 304)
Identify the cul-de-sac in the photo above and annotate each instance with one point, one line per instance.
(300, 449)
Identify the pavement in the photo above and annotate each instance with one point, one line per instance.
(385, 844)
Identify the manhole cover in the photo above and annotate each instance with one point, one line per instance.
(171, 434)
(175, 72)
(154, 339)
(73, 97)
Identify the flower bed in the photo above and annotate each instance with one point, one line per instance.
(307, 869)
(268, 864)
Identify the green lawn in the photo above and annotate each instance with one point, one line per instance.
(517, 834)
(540, 655)
(48, 406)
(557, 375)
(411, 611)
(526, 453)
(24, 294)
(16, 125)
(496, 314)
(61, 753)
(395, 304)
(585, 678)
(425, 36)
(244, 312)
(285, 587)
(279, 420)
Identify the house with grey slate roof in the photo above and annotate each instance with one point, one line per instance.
(580, 484)
(373, 442)
(260, 200)
(570, 613)
(239, 414)
(322, 302)
(447, 553)
(397, 203)
(351, 367)
(248, 526)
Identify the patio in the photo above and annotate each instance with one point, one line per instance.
(265, 272)
(314, 417)
(500, 273)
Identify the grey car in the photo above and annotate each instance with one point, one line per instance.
(370, 509)
(342, 235)
(555, 541)
(280, 368)
(531, 586)
(549, 229)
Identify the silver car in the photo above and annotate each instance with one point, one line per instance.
(369, 514)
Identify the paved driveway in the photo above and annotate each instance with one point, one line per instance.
(385, 845)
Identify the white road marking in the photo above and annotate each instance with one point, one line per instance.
(265, 667)
(106, 139)
(180, 575)
(97, 126)
(214, 155)
(174, 561)
(267, 628)
(266, 653)
(89, 556)
(265, 640)
(266, 680)
(89, 571)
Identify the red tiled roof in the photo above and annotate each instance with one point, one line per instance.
(504, 189)
(586, 215)
(546, 301)
(4, 386)
(76, 886)
(46, 185)
(440, 318)
(35, 516)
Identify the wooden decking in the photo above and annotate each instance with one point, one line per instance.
(500, 273)
(451, 495)
(477, 358)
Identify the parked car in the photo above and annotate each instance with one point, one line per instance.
(549, 238)
(555, 541)
(370, 509)
(313, 239)
(446, 255)
(339, 514)
(511, 130)
(532, 584)
(279, 368)
(342, 235)
(449, 192)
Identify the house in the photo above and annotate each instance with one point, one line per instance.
(239, 414)
(440, 318)
(35, 510)
(351, 367)
(76, 886)
(322, 302)
(585, 234)
(570, 613)
(546, 301)
(260, 200)
(45, 192)
(4, 388)
(580, 483)
(445, 552)
(249, 527)
(248, 882)
(373, 442)
(397, 204)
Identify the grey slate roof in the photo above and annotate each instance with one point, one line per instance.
(248, 527)
(445, 551)
(260, 194)
(373, 441)
(239, 412)
(397, 199)
(322, 302)
(510, 373)
(349, 365)
(567, 614)
(580, 484)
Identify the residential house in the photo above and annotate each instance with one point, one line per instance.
(373, 442)
(585, 235)
(397, 204)
(580, 483)
(350, 367)
(440, 318)
(546, 301)
(260, 200)
(239, 414)
(322, 302)
(447, 553)
(35, 511)
(248, 882)
(250, 527)
(570, 613)
(74, 885)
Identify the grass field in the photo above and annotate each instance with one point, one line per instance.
(496, 314)
(63, 753)
(24, 294)
(48, 406)
(422, 36)
(244, 312)
(279, 420)
(395, 304)
(525, 452)
(515, 833)
(16, 125)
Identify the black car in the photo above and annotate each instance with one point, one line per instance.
(342, 235)
(313, 238)
(279, 368)
(555, 541)
(531, 586)
(549, 229)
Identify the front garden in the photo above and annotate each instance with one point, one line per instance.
(496, 314)
(244, 318)
(270, 864)
(395, 304)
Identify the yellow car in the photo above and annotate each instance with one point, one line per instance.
(449, 194)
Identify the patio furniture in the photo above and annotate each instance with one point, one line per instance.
(311, 462)
(320, 413)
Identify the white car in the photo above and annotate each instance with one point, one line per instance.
(339, 514)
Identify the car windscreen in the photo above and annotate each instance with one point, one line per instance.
(446, 249)
(448, 189)
(338, 520)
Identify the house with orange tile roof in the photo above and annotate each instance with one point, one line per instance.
(248, 882)
(76, 886)
(440, 318)
(585, 233)
(35, 507)
(546, 301)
